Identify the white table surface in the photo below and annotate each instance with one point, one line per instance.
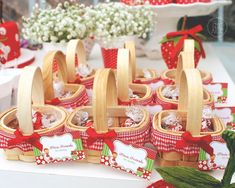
(18, 174)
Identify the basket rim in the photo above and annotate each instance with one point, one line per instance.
(209, 100)
(157, 126)
(207, 74)
(141, 124)
(54, 126)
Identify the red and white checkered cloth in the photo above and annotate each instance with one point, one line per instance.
(109, 57)
(88, 83)
(139, 137)
(80, 99)
(25, 147)
(165, 142)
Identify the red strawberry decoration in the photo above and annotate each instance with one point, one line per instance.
(172, 44)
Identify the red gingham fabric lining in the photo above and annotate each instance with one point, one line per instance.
(88, 83)
(25, 147)
(76, 101)
(139, 137)
(166, 143)
(109, 57)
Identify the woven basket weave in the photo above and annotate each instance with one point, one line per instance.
(185, 62)
(30, 87)
(124, 82)
(75, 55)
(104, 106)
(138, 74)
(79, 96)
(190, 109)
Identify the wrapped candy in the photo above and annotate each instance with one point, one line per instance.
(59, 91)
(41, 120)
(207, 115)
(171, 92)
(81, 118)
(147, 74)
(84, 70)
(135, 113)
(132, 95)
(172, 122)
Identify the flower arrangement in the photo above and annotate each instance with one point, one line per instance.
(61, 24)
(115, 20)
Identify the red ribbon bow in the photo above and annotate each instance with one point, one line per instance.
(185, 34)
(54, 101)
(106, 137)
(32, 139)
(202, 142)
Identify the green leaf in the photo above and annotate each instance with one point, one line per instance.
(203, 37)
(185, 177)
(232, 185)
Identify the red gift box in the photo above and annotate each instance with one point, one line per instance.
(109, 57)
(9, 40)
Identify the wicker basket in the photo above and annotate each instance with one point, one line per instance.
(138, 74)
(185, 62)
(30, 87)
(190, 110)
(171, 74)
(76, 54)
(124, 82)
(79, 96)
(105, 103)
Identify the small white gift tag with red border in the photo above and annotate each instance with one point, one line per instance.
(218, 161)
(131, 158)
(219, 91)
(227, 115)
(60, 148)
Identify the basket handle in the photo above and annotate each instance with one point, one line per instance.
(124, 74)
(74, 47)
(189, 45)
(191, 99)
(30, 90)
(47, 71)
(131, 46)
(104, 95)
(185, 61)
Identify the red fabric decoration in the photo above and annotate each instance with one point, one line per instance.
(54, 101)
(93, 136)
(109, 57)
(202, 142)
(127, 103)
(38, 123)
(10, 40)
(160, 184)
(185, 34)
(32, 139)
